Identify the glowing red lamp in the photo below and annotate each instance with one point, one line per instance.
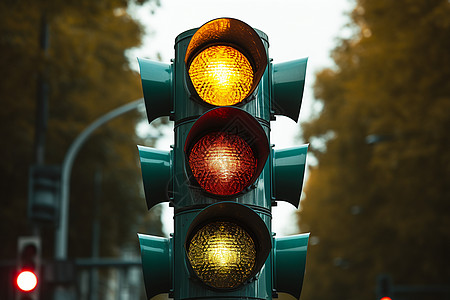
(26, 281)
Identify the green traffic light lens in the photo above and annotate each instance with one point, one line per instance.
(222, 254)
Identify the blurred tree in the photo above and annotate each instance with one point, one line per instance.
(88, 75)
(379, 199)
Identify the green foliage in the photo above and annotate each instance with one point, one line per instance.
(382, 207)
(88, 75)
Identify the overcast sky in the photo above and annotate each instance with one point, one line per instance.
(296, 29)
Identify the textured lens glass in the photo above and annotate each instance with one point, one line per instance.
(222, 254)
(221, 75)
(222, 163)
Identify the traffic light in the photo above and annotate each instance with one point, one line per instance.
(222, 175)
(384, 287)
(44, 190)
(28, 268)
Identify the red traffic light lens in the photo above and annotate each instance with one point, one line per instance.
(26, 281)
(222, 163)
(226, 150)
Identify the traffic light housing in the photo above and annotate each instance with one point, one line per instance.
(222, 175)
(384, 287)
(44, 190)
(28, 268)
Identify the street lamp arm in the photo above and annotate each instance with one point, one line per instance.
(62, 230)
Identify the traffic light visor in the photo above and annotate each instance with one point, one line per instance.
(289, 262)
(288, 82)
(226, 150)
(288, 172)
(157, 88)
(225, 60)
(156, 255)
(156, 174)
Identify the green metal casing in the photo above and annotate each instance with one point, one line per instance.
(189, 200)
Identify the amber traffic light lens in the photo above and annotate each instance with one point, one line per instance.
(221, 75)
(222, 254)
(222, 163)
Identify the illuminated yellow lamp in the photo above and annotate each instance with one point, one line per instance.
(221, 75)
(222, 254)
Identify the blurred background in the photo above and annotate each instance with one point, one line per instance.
(376, 114)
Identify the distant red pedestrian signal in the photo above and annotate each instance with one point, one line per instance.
(28, 268)
(26, 281)
(384, 287)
